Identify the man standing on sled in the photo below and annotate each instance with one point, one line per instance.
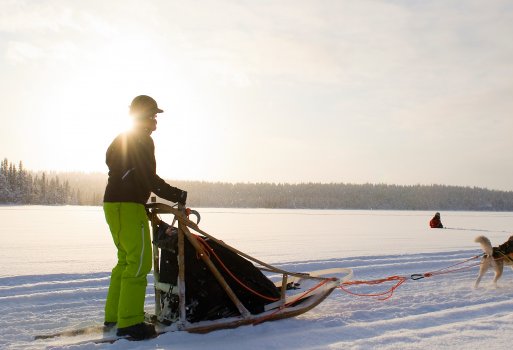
(132, 178)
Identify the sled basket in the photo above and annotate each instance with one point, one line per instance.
(203, 284)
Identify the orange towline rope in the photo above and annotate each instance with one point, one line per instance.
(388, 293)
(446, 270)
(399, 280)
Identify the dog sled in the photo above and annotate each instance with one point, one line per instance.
(202, 284)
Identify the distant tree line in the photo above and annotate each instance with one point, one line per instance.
(345, 196)
(19, 186)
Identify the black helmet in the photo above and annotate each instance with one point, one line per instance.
(143, 106)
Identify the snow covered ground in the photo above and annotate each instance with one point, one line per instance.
(441, 312)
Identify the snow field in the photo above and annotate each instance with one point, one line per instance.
(441, 312)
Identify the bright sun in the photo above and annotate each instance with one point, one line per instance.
(86, 107)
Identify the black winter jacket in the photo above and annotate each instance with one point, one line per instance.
(132, 171)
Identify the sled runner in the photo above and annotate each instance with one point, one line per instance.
(203, 284)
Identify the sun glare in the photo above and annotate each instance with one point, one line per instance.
(87, 106)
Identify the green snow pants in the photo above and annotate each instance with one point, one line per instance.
(130, 231)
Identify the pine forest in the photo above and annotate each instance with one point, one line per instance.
(19, 186)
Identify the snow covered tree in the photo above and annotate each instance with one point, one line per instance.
(4, 190)
(42, 186)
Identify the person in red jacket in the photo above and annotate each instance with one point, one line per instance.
(435, 222)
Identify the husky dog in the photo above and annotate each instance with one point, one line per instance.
(494, 256)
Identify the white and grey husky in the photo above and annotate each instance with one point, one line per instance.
(494, 256)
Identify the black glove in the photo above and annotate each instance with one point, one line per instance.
(183, 198)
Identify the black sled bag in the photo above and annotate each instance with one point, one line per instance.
(205, 298)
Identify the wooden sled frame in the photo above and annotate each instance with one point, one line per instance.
(286, 306)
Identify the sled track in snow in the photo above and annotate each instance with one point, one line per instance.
(442, 307)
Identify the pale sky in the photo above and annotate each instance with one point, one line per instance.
(398, 92)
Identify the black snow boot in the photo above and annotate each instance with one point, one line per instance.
(108, 326)
(138, 331)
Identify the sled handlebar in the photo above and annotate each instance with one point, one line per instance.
(189, 211)
(161, 208)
